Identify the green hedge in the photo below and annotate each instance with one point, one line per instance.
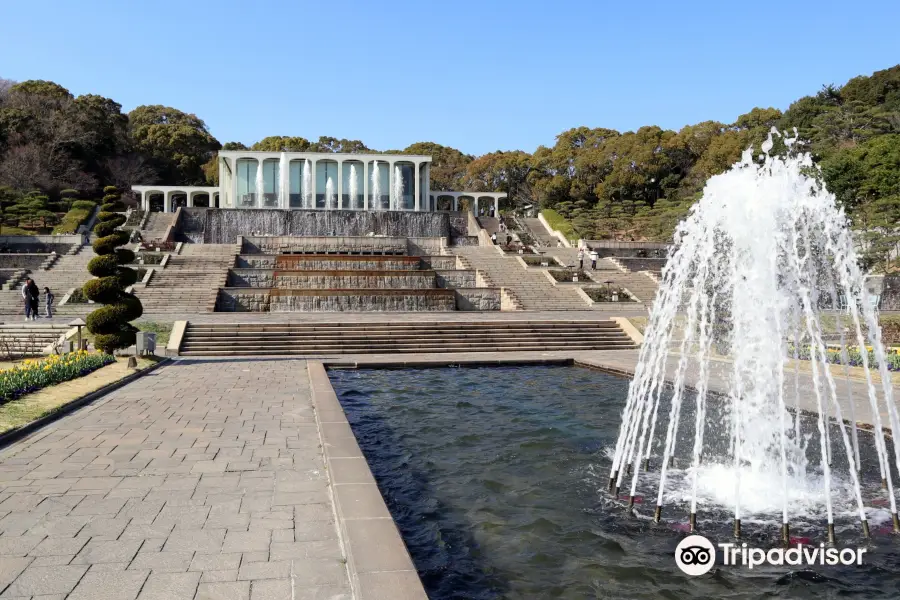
(77, 215)
(560, 224)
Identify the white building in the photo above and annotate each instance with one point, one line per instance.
(317, 180)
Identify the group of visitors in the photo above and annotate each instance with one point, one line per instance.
(593, 256)
(31, 294)
(486, 213)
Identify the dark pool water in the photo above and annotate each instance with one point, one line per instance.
(496, 478)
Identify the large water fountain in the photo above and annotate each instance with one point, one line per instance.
(376, 187)
(741, 301)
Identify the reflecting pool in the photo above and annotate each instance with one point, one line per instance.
(497, 480)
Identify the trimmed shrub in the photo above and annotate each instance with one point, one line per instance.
(69, 193)
(110, 324)
(86, 204)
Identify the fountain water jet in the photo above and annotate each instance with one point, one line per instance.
(329, 194)
(752, 266)
(376, 187)
(260, 184)
(354, 188)
(284, 174)
(307, 184)
(397, 196)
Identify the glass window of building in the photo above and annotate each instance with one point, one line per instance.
(271, 183)
(326, 184)
(246, 183)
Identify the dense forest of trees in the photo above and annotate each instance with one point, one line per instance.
(630, 185)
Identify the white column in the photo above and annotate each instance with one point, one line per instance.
(428, 186)
(144, 201)
(190, 199)
(476, 205)
(312, 182)
(418, 198)
(166, 207)
(455, 203)
(365, 172)
(340, 183)
(235, 201)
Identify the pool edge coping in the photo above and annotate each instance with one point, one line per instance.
(377, 560)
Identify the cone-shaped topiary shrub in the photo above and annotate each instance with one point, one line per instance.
(110, 323)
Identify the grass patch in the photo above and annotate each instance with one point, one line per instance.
(162, 331)
(560, 224)
(74, 218)
(7, 230)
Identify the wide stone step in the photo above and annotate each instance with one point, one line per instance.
(292, 350)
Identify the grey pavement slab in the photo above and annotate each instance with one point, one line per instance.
(204, 479)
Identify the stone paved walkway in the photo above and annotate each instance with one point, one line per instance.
(202, 480)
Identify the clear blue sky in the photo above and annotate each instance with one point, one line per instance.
(476, 75)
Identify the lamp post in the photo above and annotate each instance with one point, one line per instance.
(79, 323)
(608, 292)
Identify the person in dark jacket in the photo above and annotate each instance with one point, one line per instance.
(34, 299)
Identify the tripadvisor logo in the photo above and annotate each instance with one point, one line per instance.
(696, 555)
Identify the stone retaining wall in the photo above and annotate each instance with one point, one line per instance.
(292, 262)
(22, 261)
(359, 301)
(456, 278)
(477, 298)
(322, 245)
(440, 262)
(223, 226)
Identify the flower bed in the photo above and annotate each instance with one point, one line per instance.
(36, 374)
(854, 356)
(602, 294)
(565, 275)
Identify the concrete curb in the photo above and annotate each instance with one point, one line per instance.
(14, 435)
(174, 344)
(378, 562)
(626, 325)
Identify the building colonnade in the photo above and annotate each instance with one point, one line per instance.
(326, 181)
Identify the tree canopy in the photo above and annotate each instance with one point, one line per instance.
(609, 184)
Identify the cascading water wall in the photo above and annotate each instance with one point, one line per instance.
(307, 184)
(397, 196)
(753, 266)
(260, 184)
(376, 187)
(329, 194)
(284, 174)
(353, 188)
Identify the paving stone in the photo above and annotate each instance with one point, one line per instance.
(215, 562)
(11, 567)
(170, 586)
(205, 541)
(270, 589)
(107, 552)
(109, 585)
(18, 545)
(59, 546)
(247, 541)
(236, 590)
(226, 575)
(265, 570)
(109, 507)
(162, 561)
(45, 580)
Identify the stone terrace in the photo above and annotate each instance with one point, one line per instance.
(194, 482)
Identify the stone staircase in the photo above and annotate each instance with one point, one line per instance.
(246, 339)
(190, 281)
(27, 339)
(531, 289)
(641, 285)
(66, 272)
(540, 234)
(156, 226)
(490, 224)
